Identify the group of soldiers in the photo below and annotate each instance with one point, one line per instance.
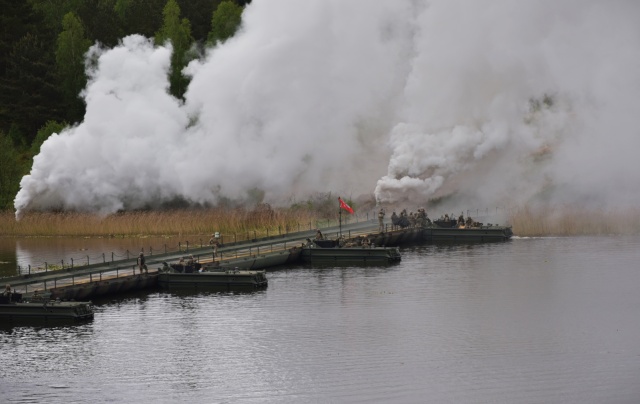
(461, 222)
(418, 219)
(359, 241)
(465, 223)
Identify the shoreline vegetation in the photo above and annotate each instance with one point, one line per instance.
(167, 223)
(569, 221)
(262, 222)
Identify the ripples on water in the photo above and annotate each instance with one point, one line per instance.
(527, 321)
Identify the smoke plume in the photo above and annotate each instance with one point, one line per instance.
(472, 103)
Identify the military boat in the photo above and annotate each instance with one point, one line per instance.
(335, 252)
(14, 307)
(419, 228)
(449, 229)
(198, 276)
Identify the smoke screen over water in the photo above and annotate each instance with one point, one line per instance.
(484, 103)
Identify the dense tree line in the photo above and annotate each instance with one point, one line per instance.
(42, 47)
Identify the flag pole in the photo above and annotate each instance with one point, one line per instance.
(340, 220)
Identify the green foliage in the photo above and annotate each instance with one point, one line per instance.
(225, 21)
(178, 32)
(16, 136)
(140, 17)
(121, 8)
(30, 95)
(10, 172)
(42, 47)
(43, 134)
(198, 12)
(53, 11)
(72, 45)
(101, 22)
(324, 204)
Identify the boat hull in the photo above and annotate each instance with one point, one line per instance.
(437, 235)
(44, 310)
(474, 234)
(224, 280)
(350, 255)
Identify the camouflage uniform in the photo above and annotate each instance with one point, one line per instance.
(381, 220)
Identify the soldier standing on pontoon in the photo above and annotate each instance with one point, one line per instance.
(214, 242)
(141, 263)
(381, 220)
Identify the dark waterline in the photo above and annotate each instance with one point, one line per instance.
(16, 255)
(526, 321)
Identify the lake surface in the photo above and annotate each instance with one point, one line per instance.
(532, 320)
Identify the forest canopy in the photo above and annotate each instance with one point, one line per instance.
(42, 61)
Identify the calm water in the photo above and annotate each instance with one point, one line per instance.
(547, 320)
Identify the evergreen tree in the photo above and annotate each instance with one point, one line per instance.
(225, 21)
(139, 17)
(10, 172)
(43, 134)
(179, 33)
(199, 14)
(101, 22)
(53, 11)
(16, 21)
(31, 91)
(121, 7)
(72, 46)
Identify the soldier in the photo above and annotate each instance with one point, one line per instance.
(141, 263)
(190, 264)
(214, 242)
(394, 219)
(469, 221)
(413, 219)
(341, 241)
(381, 220)
(403, 221)
(319, 235)
(424, 218)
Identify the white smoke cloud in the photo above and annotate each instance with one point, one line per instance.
(467, 125)
(481, 102)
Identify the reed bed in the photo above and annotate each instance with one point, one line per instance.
(563, 221)
(156, 223)
(571, 221)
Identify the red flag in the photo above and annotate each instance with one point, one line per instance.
(345, 206)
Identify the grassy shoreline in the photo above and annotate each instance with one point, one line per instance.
(571, 221)
(153, 223)
(525, 222)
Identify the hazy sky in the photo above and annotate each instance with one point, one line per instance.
(491, 103)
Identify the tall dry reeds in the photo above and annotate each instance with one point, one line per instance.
(564, 221)
(156, 223)
(571, 221)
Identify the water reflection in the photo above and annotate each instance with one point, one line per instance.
(8, 259)
(529, 321)
(18, 256)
